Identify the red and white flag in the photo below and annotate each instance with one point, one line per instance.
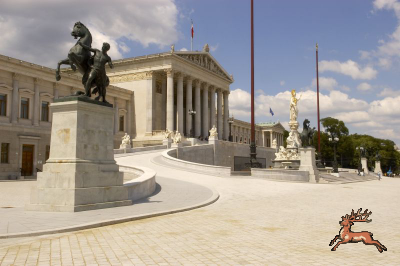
(192, 30)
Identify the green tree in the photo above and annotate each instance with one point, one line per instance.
(345, 147)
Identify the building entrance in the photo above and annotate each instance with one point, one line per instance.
(27, 160)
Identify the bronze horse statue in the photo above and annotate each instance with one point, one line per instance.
(307, 134)
(78, 57)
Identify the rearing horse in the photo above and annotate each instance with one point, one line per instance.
(307, 134)
(78, 57)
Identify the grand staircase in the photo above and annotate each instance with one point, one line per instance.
(347, 178)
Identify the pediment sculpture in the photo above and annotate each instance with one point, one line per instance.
(205, 61)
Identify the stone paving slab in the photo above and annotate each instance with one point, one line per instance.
(255, 222)
(170, 196)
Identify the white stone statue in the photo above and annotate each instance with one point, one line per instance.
(293, 141)
(177, 137)
(282, 154)
(213, 132)
(293, 106)
(126, 142)
(206, 48)
(167, 134)
(274, 143)
(172, 48)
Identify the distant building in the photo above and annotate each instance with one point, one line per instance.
(265, 133)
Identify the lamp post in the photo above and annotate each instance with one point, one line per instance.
(361, 150)
(192, 113)
(334, 140)
(230, 121)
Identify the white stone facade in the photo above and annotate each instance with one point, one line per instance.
(27, 90)
(166, 86)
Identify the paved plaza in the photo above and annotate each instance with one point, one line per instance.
(254, 222)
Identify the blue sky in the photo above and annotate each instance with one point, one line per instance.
(359, 49)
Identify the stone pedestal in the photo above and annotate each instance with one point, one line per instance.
(307, 163)
(81, 173)
(378, 167)
(293, 140)
(125, 146)
(177, 145)
(212, 139)
(364, 165)
(167, 142)
(193, 141)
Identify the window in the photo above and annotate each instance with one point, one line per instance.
(121, 123)
(25, 108)
(4, 152)
(45, 111)
(47, 152)
(3, 105)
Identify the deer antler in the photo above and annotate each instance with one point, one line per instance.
(358, 217)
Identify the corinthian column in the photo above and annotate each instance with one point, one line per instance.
(116, 116)
(212, 107)
(197, 107)
(188, 105)
(36, 102)
(170, 99)
(150, 101)
(226, 115)
(15, 98)
(205, 111)
(179, 104)
(219, 114)
(164, 103)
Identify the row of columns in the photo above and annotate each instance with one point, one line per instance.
(203, 113)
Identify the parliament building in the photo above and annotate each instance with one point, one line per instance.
(184, 91)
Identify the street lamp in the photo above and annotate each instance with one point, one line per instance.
(361, 150)
(334, 140)
(230, 121)
(192, 113)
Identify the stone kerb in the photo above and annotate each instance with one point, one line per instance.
(142, 186)
(140, 149)
(195, 167)
(280, 174)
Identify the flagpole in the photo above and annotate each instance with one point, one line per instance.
(253, 152)
(319, 132)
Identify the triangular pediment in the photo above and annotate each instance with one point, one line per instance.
(205, 60)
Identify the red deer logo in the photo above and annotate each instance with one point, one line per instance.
(347, 236)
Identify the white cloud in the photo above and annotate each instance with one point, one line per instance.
(282, 82)
(386, 107)
(48, 29)
(388, 50)
(388, 92)
(360, 116)
(183, 49)
(325, 83)
(352, 117)
(349, 68)
(239, 103)
(364, 87)
(345, 88)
